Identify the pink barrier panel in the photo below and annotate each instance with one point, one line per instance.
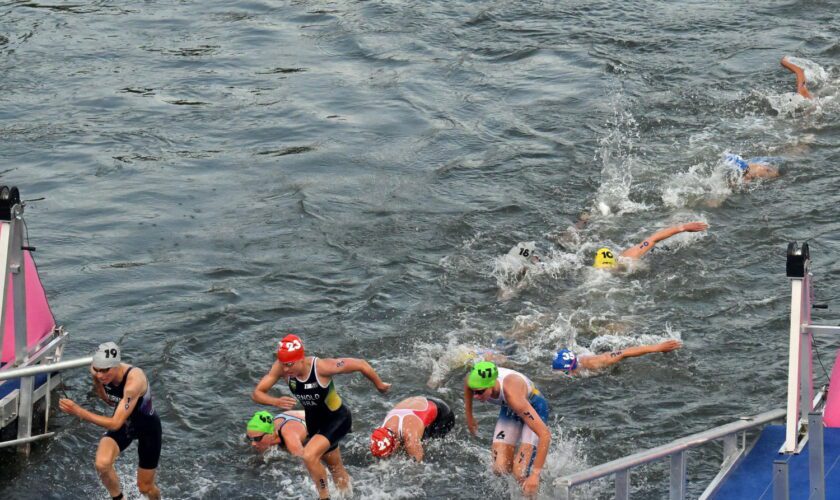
(831, 417)
(39, 317)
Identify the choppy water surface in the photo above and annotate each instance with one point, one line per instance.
(218, 173)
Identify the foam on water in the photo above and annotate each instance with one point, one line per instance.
(514, 272)
(616, 154)
(701, 185)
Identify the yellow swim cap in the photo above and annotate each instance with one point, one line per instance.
(604, 259)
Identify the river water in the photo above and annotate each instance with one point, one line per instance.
(216, 174)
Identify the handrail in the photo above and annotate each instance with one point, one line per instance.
(44, 368)
(820, 328)
(671, 448)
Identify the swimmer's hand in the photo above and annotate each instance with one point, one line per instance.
(383, 387)
(285, 402)
(472, 426)
(668, 345)
(531, 484)
(693, 227)
(68, 406)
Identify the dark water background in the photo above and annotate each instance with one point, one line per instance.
(218, 173)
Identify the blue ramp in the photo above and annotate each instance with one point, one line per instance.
(753, 477)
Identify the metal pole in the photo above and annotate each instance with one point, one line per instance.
(781, 490)
(730, 446)
(47, 405)
(17, 274)
(678, 480)
(24, 419)
(794, 366)
(44, 368)
(564, 492)
(622, 485)
(816, 465)
(4, 444)
(806, 386)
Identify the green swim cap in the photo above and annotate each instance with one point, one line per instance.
(262, 421)
(483, 375)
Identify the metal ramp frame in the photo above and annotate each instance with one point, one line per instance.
(30, 375)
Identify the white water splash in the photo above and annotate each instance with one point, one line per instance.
(617, 158)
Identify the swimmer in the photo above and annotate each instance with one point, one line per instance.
(465, 356)
(753, 168)
(126, 388)
(800, 77)
(605, 259)
(410, 422)
(328, 419)
(521, 421)
(566, 361)
(286, 430)
(519, 258)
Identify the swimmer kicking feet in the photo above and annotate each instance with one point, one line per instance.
(605, 259)
(565, 360)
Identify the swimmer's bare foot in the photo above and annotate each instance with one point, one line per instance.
(800, 77)
(668, 345)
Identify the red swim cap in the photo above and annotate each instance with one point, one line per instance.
(290, 349)
(383, 442)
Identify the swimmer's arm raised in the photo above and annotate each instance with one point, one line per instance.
(647, 245)
(261, 396)
(800, 78)
(330, 367)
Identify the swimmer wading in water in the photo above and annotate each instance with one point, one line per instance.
(328, 419)
(521, 421)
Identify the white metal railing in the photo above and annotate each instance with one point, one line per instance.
(676, 450)
(44, 368)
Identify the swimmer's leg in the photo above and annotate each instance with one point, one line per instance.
(312, 453)
(522, 463)
(502, 458)
(800, 77)
(505, 436)
(336, 466)
(146, 483)
(106, 456)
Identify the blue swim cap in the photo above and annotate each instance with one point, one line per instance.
(564, 360)
(735, 161)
